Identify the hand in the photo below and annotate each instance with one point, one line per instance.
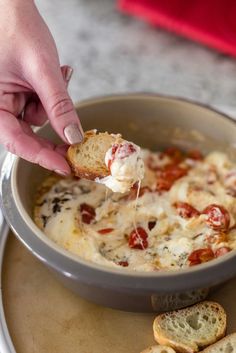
(33, 88)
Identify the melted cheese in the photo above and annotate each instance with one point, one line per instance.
(125, 172)
(171, 239)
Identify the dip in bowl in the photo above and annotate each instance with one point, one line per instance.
(153, 122)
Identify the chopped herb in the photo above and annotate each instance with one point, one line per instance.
(56, 200)
(56, 208)
(65, 199)
(44, 219)
(68, 193)
(197, 235)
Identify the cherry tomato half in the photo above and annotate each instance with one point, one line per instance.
(200, 256)
(87, 213)
(185, 210)
(222, 251)
(138, 239)
(217, 217)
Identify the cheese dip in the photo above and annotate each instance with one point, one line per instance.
(125, 165)
(182, 215)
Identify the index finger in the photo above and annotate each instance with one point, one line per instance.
(19, 141)
(52, 91)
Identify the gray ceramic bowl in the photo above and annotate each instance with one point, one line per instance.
(151, 121)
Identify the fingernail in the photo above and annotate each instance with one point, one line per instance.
(61, 172)
(68, 73)
(73, 134)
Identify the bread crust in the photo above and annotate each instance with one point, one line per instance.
(218, 344)
(85, 171)
(158, 349)
(162, 337)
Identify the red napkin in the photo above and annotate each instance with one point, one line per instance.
(212, 22)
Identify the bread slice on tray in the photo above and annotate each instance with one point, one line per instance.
(87, 159)
(191, 329)
(158, 349)
(225, 345)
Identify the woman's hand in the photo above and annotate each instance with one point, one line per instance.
(33, 88)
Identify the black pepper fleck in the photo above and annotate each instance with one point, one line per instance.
(56, 208)
(44, 219)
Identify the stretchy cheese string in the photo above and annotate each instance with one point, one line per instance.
(135, 210)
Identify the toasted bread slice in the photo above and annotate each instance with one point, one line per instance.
(158, 349)
(191, 329)
(87, 159)
(226, 345)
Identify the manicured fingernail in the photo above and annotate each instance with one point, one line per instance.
(73, 133)
(61, 172)
(68, 73)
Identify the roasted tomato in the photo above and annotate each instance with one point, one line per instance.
(132, 193)
(138, 239)
(174, 171)
(87, 213)
(201, 255)
(134, 190)
(113, 152)
(217, 217)
(174, 153)
(143, 190)
(168, 175)
(125, 150)
(121, 151)
(195, 154)
(163, 184)
(222, 251)
(105, 230)
(123, 263)
(217, 238)
(185, 210)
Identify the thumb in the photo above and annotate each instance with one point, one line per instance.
(52, 91)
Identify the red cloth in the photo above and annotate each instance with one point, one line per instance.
(212, 22)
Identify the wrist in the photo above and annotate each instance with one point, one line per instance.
(12, 2)
(14, 14)
(15, 3)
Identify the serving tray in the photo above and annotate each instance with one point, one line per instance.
(39, 315)
(43, 316)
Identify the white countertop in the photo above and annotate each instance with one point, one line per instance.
(113, 53)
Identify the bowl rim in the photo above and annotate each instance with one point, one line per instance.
(73, 266)
(145, 94)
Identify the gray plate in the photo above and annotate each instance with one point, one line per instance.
(6, 345)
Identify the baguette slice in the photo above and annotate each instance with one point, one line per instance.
(87, 159)
(191, 329)
(158, 349)
(226, 345)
